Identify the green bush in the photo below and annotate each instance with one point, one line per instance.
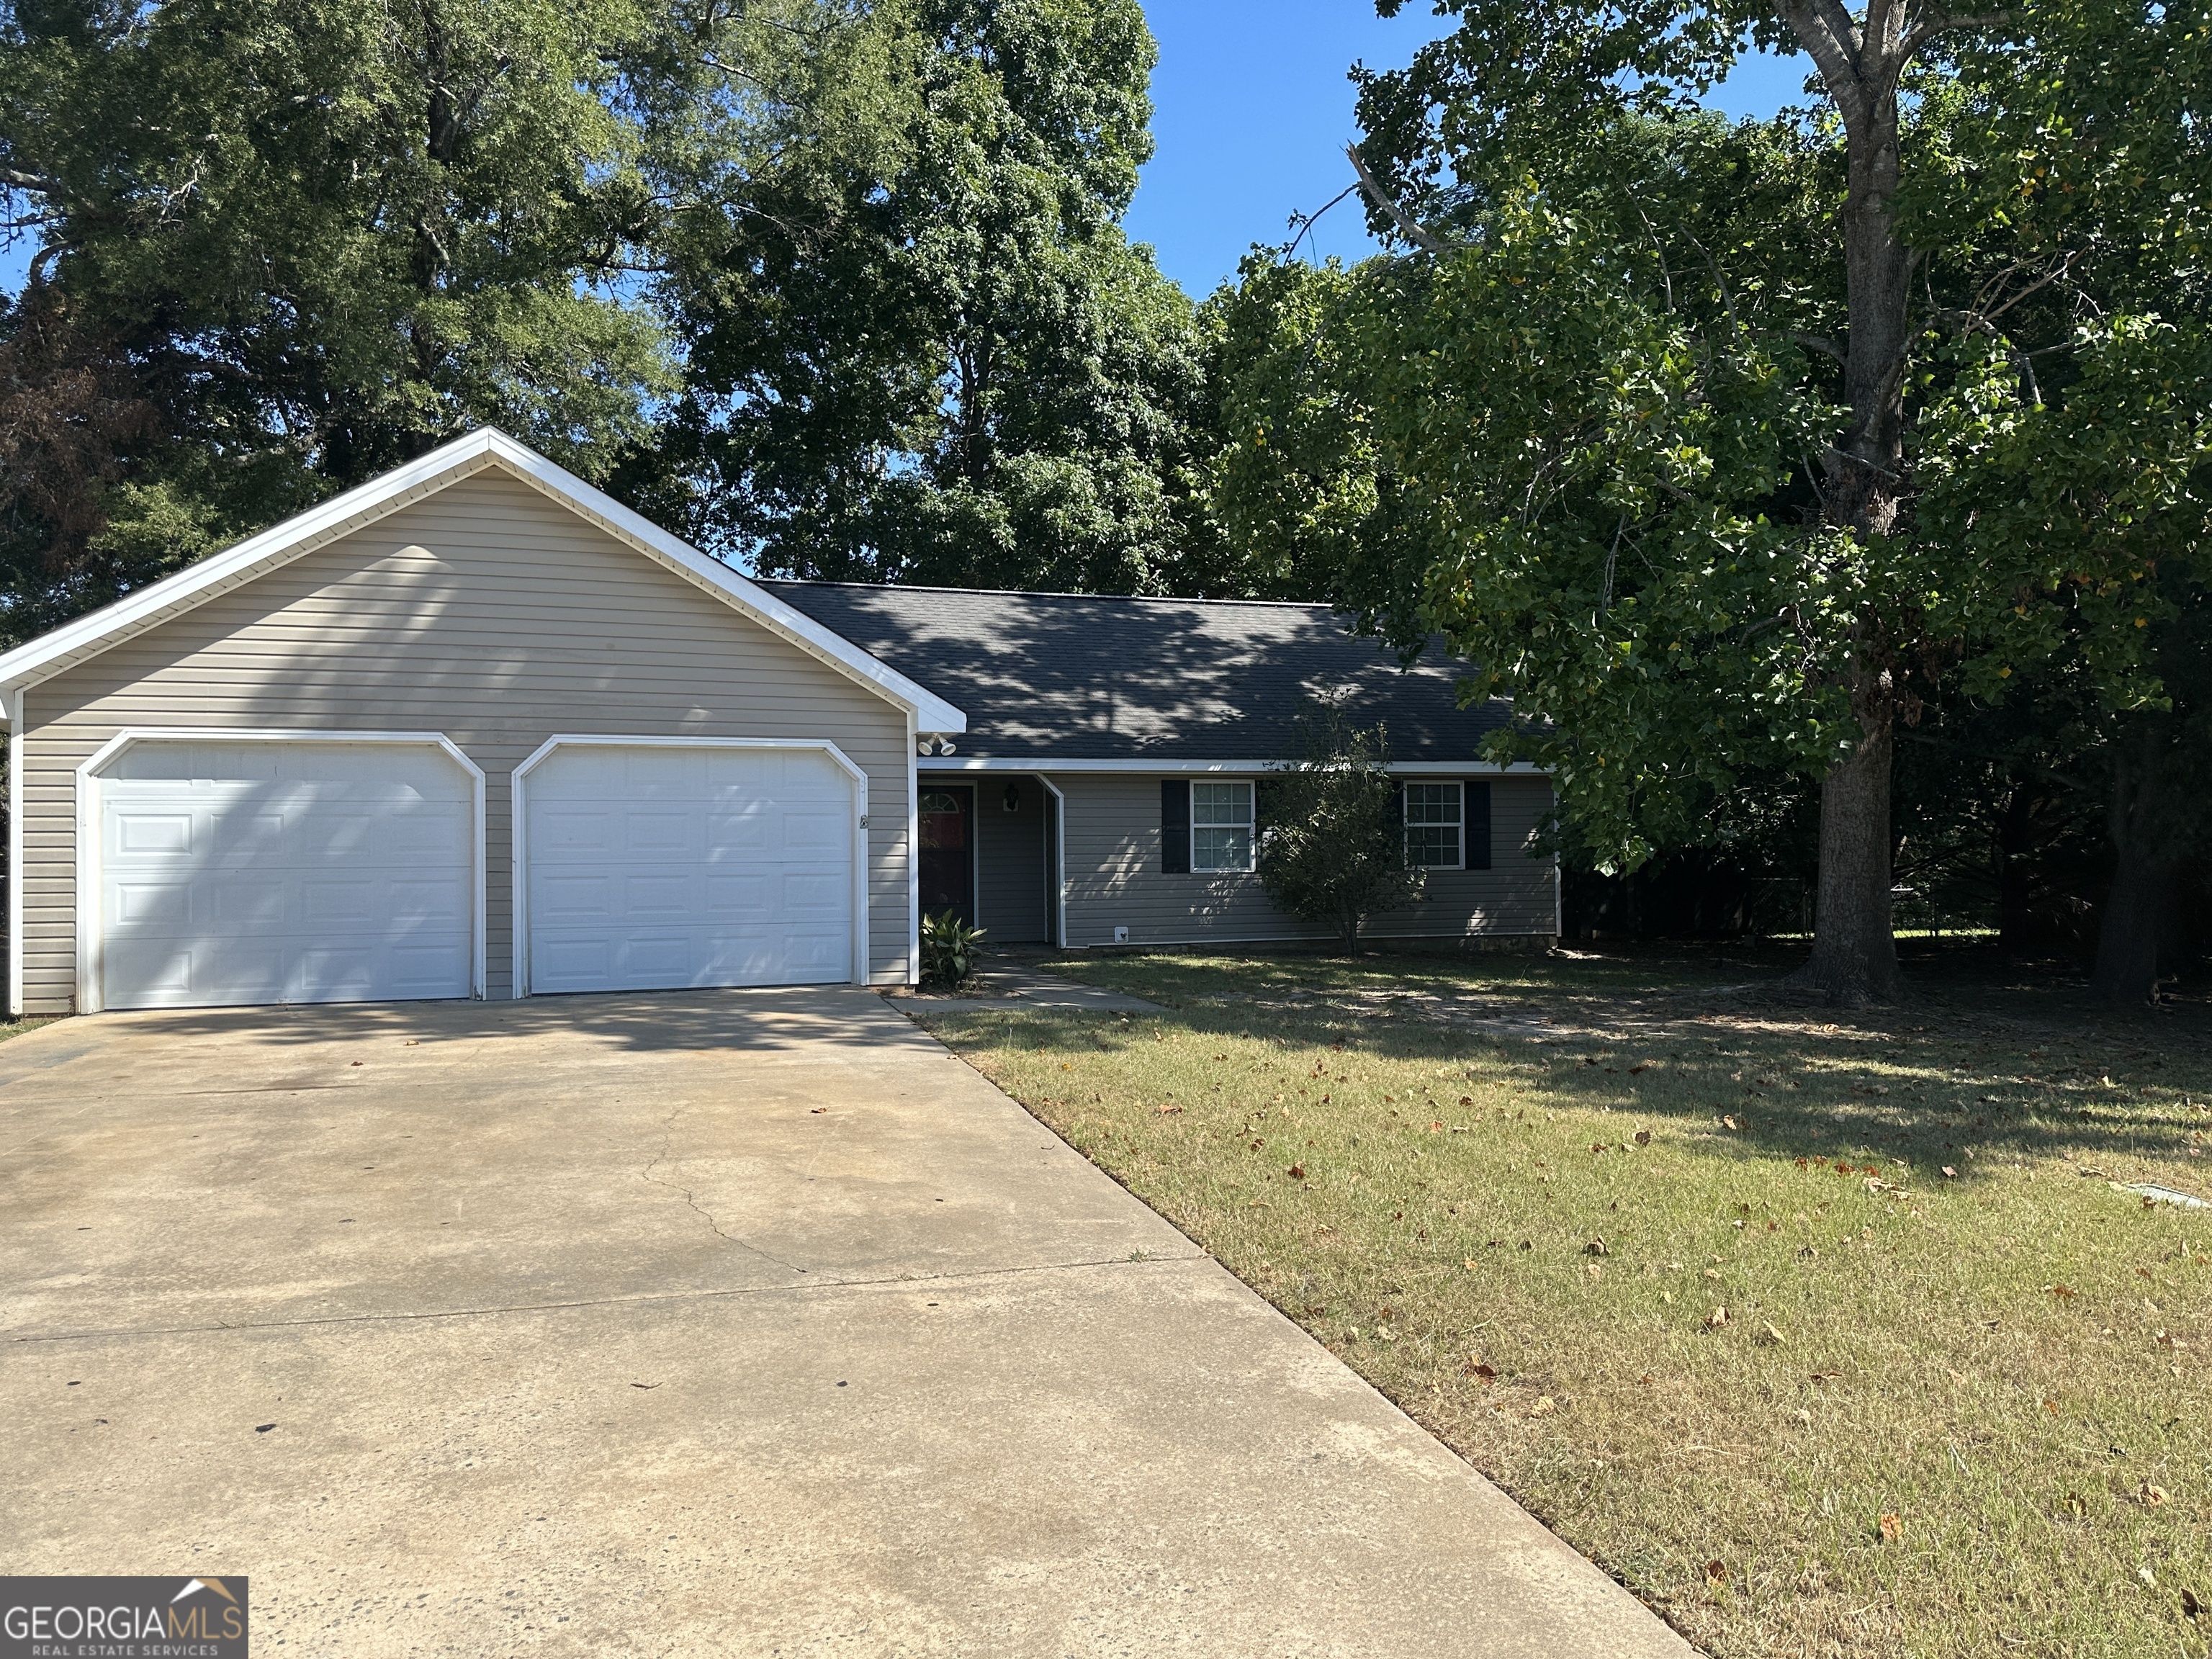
(949, 948)
(1332, 849)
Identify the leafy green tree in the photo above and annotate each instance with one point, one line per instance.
(943, 362)
(297, 244)
(1702, 435)
(1332, 842)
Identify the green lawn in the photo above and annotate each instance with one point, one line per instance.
(1690, 1276)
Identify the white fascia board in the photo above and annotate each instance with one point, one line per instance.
(77, 641)
(1174, 768)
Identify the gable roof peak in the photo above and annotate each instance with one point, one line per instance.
(79, 640)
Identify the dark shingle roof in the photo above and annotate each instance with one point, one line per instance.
(1082, 677)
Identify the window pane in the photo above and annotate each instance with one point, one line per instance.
(1220, 849)
(1432, 845)
(1432, 803)
(1225, 804)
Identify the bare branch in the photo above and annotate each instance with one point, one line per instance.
(1814, 343)
(1411, 227)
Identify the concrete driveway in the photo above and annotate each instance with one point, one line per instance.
(722, 1323)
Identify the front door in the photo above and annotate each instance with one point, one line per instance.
(948, 857)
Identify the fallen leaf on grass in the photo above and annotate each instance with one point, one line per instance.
(1643, 1137)
(1297, 1172)
(2062, 1291)
(1716, 1319)
(1730, 1123)
(1476, 1368)
(1770, 1335)
(2188, 1607)
(2152, 1496)
(1949, 1174)
(1595, 1247)
(1639, 1068)
(1170, 1111)
(1891, 1527)
(1716, 1572)
(1544, 1404)
(1594, 1270)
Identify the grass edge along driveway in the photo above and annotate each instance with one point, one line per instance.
(1825, 1338)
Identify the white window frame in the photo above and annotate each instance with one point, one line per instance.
(1458, 859)
(1249, 826)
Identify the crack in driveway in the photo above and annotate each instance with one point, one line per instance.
(692, 1198)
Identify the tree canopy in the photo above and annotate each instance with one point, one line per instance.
(1726, 449)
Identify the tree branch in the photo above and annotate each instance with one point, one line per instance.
(1410, 226)
(1944, 22)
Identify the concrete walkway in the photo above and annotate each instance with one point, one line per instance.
(1007, 984)
(723, 1323)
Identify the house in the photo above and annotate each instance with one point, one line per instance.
(476, 729)
(1104, 791)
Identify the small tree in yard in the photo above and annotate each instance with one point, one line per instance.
(1334, 846)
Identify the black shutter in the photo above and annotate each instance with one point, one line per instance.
(1398, 818)
(1474, 814)
(1175, 827)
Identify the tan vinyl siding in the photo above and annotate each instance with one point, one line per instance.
(1114, 876)
(1012, 884)
(486, 612)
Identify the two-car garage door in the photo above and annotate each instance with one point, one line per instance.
(282, 870)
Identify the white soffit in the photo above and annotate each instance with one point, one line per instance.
(80, 640)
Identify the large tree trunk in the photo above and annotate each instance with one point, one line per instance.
(2139, 911)
(1854, 959)
(1854, 952)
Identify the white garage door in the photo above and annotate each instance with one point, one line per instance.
(650, 868)
(283, 872)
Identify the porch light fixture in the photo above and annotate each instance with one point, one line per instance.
(934, 745)
(1013, 797)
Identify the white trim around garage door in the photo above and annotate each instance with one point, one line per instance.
(89, 998)
(518, 860)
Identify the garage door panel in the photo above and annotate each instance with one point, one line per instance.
(721, 852)
(647, 897)
(733, 837)
(350, 904)
(312, 872)
(152, 835)
(230, 906)
(737, 898)
(817, 952)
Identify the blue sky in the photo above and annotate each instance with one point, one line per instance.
(1252, 111)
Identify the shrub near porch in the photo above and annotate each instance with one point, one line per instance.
(1699, 1292)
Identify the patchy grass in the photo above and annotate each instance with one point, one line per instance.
(1689, 1277)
